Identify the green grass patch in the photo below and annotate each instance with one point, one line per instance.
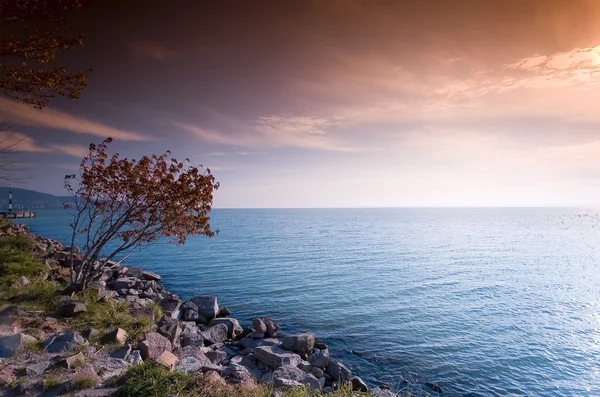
(152, 380)
(38, 295)
(17, 259)
(51, 381)
(85, 383)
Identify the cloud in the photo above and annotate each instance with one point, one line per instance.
(150, 50)
(50, 118)
(276, 131)
(23, 143)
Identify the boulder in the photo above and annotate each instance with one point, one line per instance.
(118, 336)
(214, 377)
(124, 283)
(76, 360)
(358, 384)
(135, 358)
(70, 308)
(272, 327)
(259, 325)
(142, 274)
(189, 364)
(216, 356)
(191, 315)
(319, 359)
(37, 368)
(223, 311)
(215, 334)
(289, 376)
(122, 353)
(170, 307)
(207, 306)
(191, 339)
(250, 343)
(13, 344)
(20, 282)
(338, 371)
(60, 343)
(10, 314)
(167, 359)
(301, 343)
(169, 328)
(236, 374)
(233, 326)
(86, 376)
(8, 376)
(153, 345)
(212, 367)
(317, 372)
(276, 357)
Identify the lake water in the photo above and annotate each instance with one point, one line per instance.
(484, 302)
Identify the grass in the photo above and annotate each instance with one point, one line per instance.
(17, 259)
(152, 380)
(51, 381)
(34, 347)
(85, 383)
(111, 315)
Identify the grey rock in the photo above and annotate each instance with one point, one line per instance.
(250, 343)
(215, 334)
(216, 356)
(272, 327)
(13, 344)
(318, 372)
(10, 314)
(223, 311)
(276, 357)
(135, 358)
(233, 326)
(169, 328)
(86, 374)
(338, 371)
(320, 346)
(190, 339)
(122, 353)
(124, 283)
(70, 308)
(142, 274)
(191, 315)
(237, 374)
(60, 343)
(106, 392)
(207, 305)
(259, 325)
(73, 361)
(189, 365)
(256, 335)
(212, 367)
(189, 305)
(37, 369)
(301, 343)
(358, 384)
(320, 358)
(289, 376)
(153, 345)
(170, 307)
(21, 282)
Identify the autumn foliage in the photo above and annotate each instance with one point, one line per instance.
(119, 204)
(33, 32)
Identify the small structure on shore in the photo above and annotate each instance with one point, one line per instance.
(10, 214)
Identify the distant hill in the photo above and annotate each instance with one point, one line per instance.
(30, 199)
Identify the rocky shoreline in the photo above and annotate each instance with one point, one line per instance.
(196, 336)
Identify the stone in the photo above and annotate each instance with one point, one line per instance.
(215, 334)
(276, 357)
(70, 308)
(189, 305)
(301, 343)
(250, 343)
(142, 274)
(191, 315)
(320, 358)
(37, 369)
(338, 371)
(223, 311)
(86, 376)
(169, 328)
(317, 372)
(207, 305)
(167, 359)
(153, 345)
(21, 282)
(60, 343)
(289, 376)
(434, 386)
(379, 392)
(122, 353)
(214, 377)
(189, 364)
(124, 283)
(237, 374)
(118, 336)
(259, 325)
(272, 327)
(170, 307)
(135, 358)
(358, 384)
(216, 356)
(190, 339)
(8, 376)
(320, 346)
(76, 360)
(14, 344)
(244, 361)
(106, 392)
(91, 333)
(194, 351)
(233, 326)
(212, 367)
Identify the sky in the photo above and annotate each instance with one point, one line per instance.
(339, 103)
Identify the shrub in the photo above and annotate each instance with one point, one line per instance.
(17, 259)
